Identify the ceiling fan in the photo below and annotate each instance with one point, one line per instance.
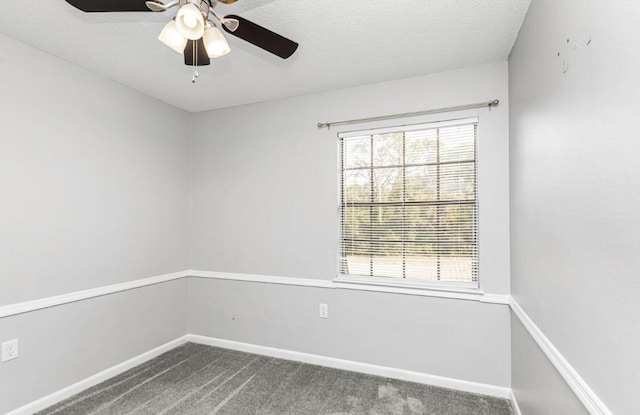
(193, 31)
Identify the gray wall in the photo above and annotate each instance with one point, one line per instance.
(575, 230)
(264, 199)
(536, 383)
(464, 340)
(264, 177)
(94, 191)
(60, 346)
(93, 178)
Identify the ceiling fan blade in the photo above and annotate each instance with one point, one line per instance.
(262, 37)
(200, 58)
(92, 6)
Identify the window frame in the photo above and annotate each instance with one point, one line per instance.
(407, 283)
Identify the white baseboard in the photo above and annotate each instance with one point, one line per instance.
(444, 382)
(587, 396)
(69, 391)
(514, 404)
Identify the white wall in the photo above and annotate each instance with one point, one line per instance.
(264, 199)
(93, 191)
(575, 176)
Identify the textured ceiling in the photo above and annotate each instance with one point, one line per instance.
(342, 44)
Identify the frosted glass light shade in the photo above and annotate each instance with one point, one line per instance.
(189, 22)
(215, 43)
(172, 38)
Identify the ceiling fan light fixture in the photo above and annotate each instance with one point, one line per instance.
(172, 38)
(189, 21)
(215, 42)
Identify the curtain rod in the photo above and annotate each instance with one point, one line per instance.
(488, 104)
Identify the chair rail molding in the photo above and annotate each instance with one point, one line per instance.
(462, 294)
(39, 304)
(57, 300)
(587, 396)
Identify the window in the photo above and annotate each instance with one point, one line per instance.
(409, 205)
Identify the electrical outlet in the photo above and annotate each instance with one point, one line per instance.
(324, 311)
(9, 350)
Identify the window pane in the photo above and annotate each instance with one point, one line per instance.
(421, 147)
(357, 186)
(457, 181)
(357, 265)
(422, 229)
(388, 263)
(421, 183)
(440, 242)
(457, 143)
(387, 149)
(357, 152)
(387, 184)
(421, 267)
(455, 269)
(386, 225)
(355, 230)
(457, 231)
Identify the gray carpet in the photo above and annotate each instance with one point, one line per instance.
(197, 379)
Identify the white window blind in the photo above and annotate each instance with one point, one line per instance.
(409, 206)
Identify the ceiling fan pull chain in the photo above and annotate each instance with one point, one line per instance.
(195, 62)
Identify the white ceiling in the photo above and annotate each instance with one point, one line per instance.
(342, 43)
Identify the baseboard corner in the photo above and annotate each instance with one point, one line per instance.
(514, 403)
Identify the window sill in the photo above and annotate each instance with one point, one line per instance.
(460, 291)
